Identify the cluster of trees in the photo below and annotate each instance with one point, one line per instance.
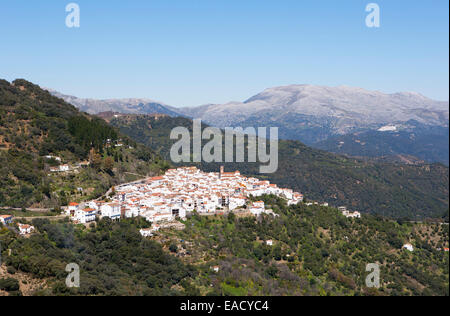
(10, 285)
(91, 133)
(316, 251)
(113, 258)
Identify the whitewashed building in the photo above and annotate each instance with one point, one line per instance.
(86, 215)
(6, 219)
(408, 247)
(257, 208)
(25, 229)
(110, 210)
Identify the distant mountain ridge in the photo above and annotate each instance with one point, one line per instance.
(128, 105)
(319, 116)
(327, 111)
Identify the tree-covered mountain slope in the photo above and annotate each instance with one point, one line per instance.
(397, 190)
(40, 134)
(429, 144)
(314, 250)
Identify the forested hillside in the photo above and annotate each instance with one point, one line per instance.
(429, 144)
(39, 132)
(387, 189)
(315, 251)
(114, 259)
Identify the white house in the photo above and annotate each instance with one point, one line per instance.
(25, 229)
(6, 219)
(71, 209)
(131, 211)
(146, 232)
(94, 205)
(296, 198)
(160, 217)
(288, 193)
(178, 211)
(53, 157)
(408, 247)
(63, 168)
(269, 242)
(349, 214)
(85, 215)
(237, 201)
(257, 208)
(111, 210)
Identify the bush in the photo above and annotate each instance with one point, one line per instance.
(173, 248)
(11, 270)
(9, 284)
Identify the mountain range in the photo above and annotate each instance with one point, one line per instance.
(313, 113)
(319, 116)
(128, 105)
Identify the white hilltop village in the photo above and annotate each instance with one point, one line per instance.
(163, 199)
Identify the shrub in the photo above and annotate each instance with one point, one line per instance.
(9, 284)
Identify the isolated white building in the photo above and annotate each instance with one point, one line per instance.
(408, 247)
(53, 157)
(6, 219)
(349, 214)
(25, 229)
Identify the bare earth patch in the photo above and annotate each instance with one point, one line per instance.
(28, 284)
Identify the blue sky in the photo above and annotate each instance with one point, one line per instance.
(192, 52)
